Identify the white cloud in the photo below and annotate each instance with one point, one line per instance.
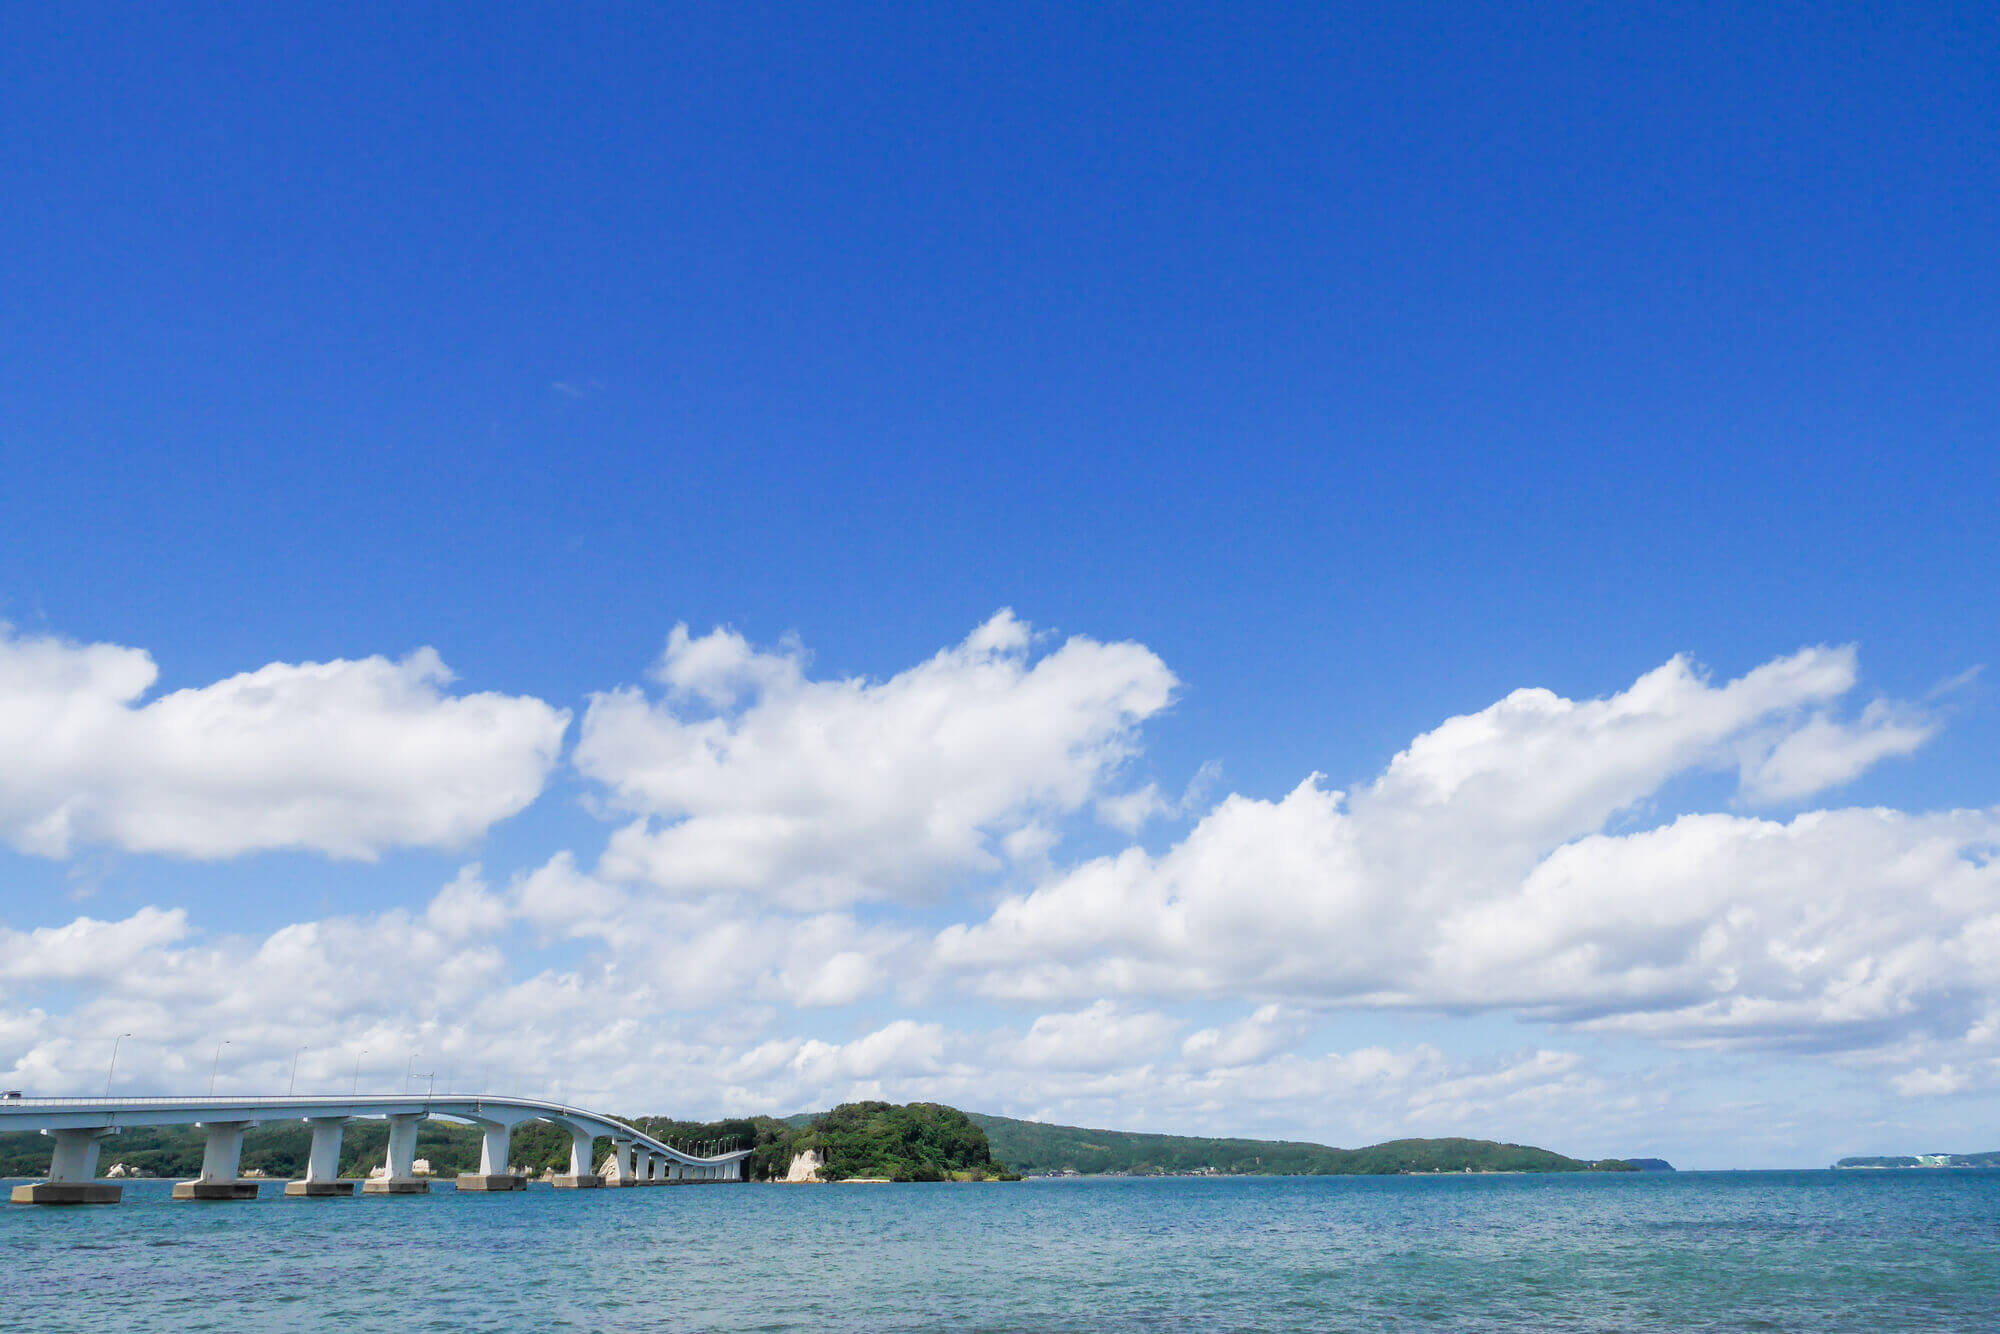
(1129, 812)
(87, 950)
(1101, 1037)
(1826, 752)
(720, 948)
(1476, 873)
(466, 907)
(750, 777)
(345, 757)
(1944, 1079)
(1267, 1032)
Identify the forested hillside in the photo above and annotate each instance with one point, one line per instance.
(1035, 1148)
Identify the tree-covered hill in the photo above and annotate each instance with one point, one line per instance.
(1035, 1148)
(919, 1141)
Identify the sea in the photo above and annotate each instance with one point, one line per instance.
(1807, 1251)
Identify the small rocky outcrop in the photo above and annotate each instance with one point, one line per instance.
(805, 1166)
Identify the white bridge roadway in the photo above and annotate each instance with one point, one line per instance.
(81, 1126)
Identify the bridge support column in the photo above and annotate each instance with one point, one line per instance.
(322, 1176)
(401, 1160)
(624, 1170)
(72, 1171)
(493, 1150)
(220, 1162)
(579, 1177)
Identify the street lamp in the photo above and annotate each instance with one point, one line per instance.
(114, 1062)
(291, 1087)
(357, 1072)
(216, 1066)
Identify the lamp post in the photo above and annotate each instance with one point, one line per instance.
(216, 1065)
(357, 1072)
(114, 1062)
(293, 1086)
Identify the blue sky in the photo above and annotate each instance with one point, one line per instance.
(1352, 371)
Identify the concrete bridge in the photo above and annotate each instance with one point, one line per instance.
(80, 1127)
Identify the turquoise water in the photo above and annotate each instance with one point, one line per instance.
(1814, 1251)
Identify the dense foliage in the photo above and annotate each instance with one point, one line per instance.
(1035, 1148)
(919, 1141)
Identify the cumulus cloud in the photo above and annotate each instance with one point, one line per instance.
(1101, 1037)
(345, 757)
(1827, 752)
(719, 947)
(87, 950)
(749, 776)
(1479, 872)
(1266, 1032)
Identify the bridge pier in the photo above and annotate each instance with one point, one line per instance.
(579, 1176)
(401, 1160)
(322, 1176)
(497, 1141)
(72, 1171)
(220, 1161)
(624, 1170)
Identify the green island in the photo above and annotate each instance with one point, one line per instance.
(919, 1141)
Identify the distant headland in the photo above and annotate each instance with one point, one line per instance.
(1988, 1159)
(1035, 1148)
